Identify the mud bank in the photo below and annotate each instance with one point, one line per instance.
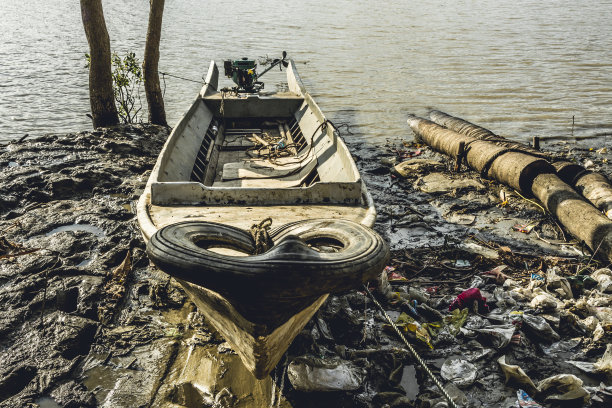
(87, 322)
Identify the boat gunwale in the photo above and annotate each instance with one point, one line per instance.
(144, 218)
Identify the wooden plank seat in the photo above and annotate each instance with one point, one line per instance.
(264, 174)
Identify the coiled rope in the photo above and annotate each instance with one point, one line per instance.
(261, 236)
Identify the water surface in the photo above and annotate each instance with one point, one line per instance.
(521, 68)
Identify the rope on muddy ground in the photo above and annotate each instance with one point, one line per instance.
(261, 236)
(412, 350)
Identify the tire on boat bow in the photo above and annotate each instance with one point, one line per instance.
(309, 258)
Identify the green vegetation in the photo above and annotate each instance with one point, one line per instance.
(127, 79)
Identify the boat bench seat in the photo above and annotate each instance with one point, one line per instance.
(264, 174)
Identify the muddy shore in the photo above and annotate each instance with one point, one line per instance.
(86, 321)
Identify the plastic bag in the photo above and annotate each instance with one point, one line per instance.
(563, 387)
(468, 298)
(460, 372)
(558, 284)
(516, 376)
(498, 336)
(543, 300)
(604, 279)
(604, 364)
(525, 401)
(455, 320)
(409, 325)
(539, 328)
(314, 374)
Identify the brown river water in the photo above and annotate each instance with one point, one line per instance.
(521, 68)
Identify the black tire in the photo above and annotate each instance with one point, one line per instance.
(289, 270)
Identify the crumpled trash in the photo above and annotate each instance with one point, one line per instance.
(589, 324)
(408, 325)
(516, 376)
(418, 295)
(562, 346)
(579, 283)
(475, 322)
(603, 277)
(455, 320)
(460, 372)
(502, 299)
(497, 274)
(543, 300)
(562, 387)
(539, 328)
(498, 336)
(468, 298)
(455, 394)
(558, 284)
(525, 401)
(308, 373)
(411, 168)
(604, 364)
(601, 397)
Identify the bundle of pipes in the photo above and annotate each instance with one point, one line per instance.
(593, 186)
(522, 170)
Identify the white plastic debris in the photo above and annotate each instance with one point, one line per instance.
(315, 374)
(540, 328)
(563, 387)
(516, 376)
(604, 278)
(460, 372)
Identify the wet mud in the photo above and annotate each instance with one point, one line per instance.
(87, 322)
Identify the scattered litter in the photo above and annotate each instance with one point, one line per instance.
(525, 401)
(308, 373)
(461, 372)
(468, 298)
(562, 387)
(411, 326)
(604, 279)
(604, 364)
(515, 376)
(524, 228)
(497, 336)
(539, 328)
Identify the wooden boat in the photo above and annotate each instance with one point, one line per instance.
(207, 172)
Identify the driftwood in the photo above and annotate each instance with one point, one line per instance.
(594, 187)
(528, 174)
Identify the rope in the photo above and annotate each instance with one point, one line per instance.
(222, 106)
(413, 351)
(179, 77)
(261, 236)
(322, 126)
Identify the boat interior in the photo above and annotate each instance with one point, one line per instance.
(260, 149)
(255, 153)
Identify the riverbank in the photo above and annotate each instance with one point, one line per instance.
(87, 322)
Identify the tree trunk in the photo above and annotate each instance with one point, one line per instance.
(157, 112)
(101, 97)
